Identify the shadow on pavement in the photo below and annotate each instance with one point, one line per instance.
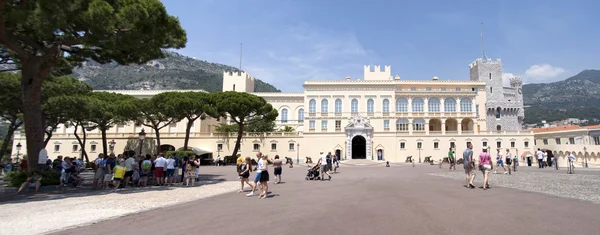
(48, 193)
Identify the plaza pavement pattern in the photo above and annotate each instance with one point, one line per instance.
(370, 199)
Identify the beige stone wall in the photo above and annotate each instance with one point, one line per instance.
(577, 141)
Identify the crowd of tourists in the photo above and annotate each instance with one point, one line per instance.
(486, 165)
(129, 170)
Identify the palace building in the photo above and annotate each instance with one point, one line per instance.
(378, 117)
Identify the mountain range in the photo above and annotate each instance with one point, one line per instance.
(574, 97)
(174, 72)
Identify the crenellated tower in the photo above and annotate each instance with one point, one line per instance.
(376, 73)
(238, 81)
(504, 104)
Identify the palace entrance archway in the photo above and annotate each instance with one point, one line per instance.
(359, 147)
(359, 134)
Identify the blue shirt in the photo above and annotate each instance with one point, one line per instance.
(467, 154)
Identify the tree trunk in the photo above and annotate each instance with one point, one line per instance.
(49, 134)
(32, 77)
(187, 132)
(84, 153)
(157, 132)
(239, 139)
(81, 143)
(6, 141)
(103, 131)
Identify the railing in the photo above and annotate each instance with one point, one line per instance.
(435, 132)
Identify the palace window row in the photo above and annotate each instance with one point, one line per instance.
(402, 105)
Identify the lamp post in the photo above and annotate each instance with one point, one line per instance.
(297, 153)
(345, 146)
(111, 146)
(585, 156)
(142, 136)
(419, 145)
(18, 153)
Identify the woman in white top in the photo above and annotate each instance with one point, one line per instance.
(264, 176)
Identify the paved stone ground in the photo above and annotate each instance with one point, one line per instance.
(370, 200)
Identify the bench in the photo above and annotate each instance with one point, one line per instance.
(428, 160)
(446, 160)
(309, 160)
(408, 159)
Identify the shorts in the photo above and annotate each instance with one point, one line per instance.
(486, 168)
(324, 168)
(117, 179)
(64, 175)
(99, 174)
(469, 170)
(277, 171)
(170, 172)
(159, 172)
(508, 162)
(108, 177)
(264, 176)
(245, 175)
(128, 173)
(500, 163)
(257, 177)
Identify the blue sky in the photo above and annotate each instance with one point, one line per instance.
(287, 42)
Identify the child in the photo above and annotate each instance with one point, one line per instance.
(119, 173)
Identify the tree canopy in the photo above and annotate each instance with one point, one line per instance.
(243, 108)
(107, 109)
(41, 37)
(190, 106)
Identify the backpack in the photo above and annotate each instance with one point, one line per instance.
(189, 166)
(146, 166)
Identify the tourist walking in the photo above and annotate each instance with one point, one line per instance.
(485, 165)
(540, 158)
(452, 160)
(499, 161)
(336, 164)
(197, 163)
(190, 171)
(277, 168)
(129, 162)
(245, 169)
(257, 177)
(545, 160)
(508, 160)
(109, 165)
(323, 162)
(329, 162)
(264, 177)
(469, 165)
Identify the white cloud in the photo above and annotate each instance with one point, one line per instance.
(506, 78)
(542, 73)
(304, 53)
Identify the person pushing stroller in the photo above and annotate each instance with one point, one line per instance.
(323, 162)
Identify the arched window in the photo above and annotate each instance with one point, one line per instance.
(386, 106)
(324, 106)
(284, 116)
(354, 106)
(418, 125)
(498, 112)
(465, 105)
(370, 106)
(402, 125)
(401, 105)
(449, 105)
(338, 106)
(300, 115)
(498, 128)
(417, 105)
(312, 106)
(434, 105)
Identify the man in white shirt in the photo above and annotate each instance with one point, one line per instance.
(323, 162)
(540, 157)
(159, 169)
(258, 172)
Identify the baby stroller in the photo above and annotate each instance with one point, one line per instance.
(313, 172)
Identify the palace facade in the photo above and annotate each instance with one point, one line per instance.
(377, 117)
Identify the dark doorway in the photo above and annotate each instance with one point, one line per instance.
(359, 147)
(338, 154)
(166, 147)
(380, 154)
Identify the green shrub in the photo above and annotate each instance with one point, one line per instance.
(181, 154)
(16, 178)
